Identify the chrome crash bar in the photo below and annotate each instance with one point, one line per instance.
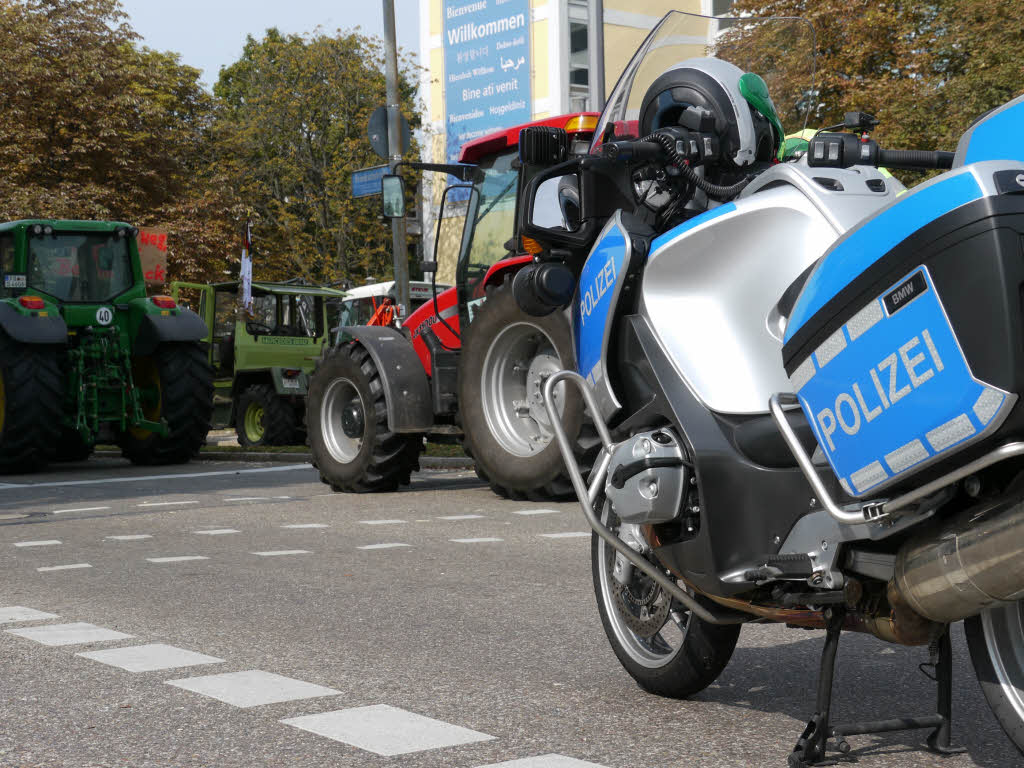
(587, 495)
(875, 510)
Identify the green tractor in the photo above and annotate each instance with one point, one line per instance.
(262, 358)
(85, 356)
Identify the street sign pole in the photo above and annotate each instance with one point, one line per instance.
(399, 251)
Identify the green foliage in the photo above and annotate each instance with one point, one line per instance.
(927, 70)
(292, 129)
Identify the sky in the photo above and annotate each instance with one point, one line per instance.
(210, 34)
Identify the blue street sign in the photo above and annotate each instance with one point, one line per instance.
(366, 181)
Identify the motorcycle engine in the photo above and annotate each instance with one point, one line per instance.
(648, 477)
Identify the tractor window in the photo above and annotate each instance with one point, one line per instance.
(307, 314)
(357, 311)
(495, 219)
(10, 286)
(225, 303)
(80, 267)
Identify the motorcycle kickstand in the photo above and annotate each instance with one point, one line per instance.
(939, 740)
(810, 748)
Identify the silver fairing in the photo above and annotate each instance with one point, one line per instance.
(710, 293)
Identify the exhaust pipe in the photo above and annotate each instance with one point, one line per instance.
(975, 560)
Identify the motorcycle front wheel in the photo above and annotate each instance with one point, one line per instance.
(666, 649)
(996, 642)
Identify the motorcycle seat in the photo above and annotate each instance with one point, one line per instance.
(760, 441)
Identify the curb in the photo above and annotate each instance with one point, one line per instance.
(426, 462)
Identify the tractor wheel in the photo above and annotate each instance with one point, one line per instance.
(176, 384)
(264, 418)
(31, 405)
(506, 357)
(71, 446)
(346, 424)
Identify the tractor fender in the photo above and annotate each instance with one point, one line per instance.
(35, 328)
(184, 325)
(406, 388)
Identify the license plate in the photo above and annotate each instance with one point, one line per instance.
(891, 391)
(290, 383)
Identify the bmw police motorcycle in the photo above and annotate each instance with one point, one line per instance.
(806, 377)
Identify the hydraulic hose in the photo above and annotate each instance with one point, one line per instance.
(716, 191)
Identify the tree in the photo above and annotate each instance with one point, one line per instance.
(96, 127)
(926, 69)
(291, 132)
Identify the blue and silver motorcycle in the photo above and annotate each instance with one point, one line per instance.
(805, 376)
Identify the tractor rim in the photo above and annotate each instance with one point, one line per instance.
(343, 420)
(518, 362)
(254, 423)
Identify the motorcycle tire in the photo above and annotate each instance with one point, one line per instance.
(347, 430)
(516, 454)
(676, 667)
(995, 640)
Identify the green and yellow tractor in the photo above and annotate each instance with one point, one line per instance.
(87, 357)
(262, 356)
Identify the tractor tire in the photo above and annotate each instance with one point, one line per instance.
(506, 356)
(264, 418)
(71, 446)
(347, 430)
(31, 405)
(184, 380)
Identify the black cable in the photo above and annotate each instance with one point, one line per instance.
(716, 191)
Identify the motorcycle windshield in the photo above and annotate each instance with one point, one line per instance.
(779, 49)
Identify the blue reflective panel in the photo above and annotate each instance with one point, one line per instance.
(999, 136)
(892, 389)
(591, 312)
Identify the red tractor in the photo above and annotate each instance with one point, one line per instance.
(469, 359)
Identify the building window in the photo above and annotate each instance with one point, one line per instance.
(579, 55)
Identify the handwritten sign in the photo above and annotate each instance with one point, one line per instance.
(486, 68)
(152, 243)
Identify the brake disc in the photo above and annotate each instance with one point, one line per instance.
(643, 605)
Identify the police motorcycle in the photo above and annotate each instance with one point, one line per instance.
(804, 375)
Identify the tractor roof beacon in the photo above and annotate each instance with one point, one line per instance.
(468, 357)
(262, 361)
(85, 355)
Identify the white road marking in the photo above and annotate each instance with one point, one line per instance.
(183, 475)
(41, 543)
(386, 730)
(71, 567)
(176, 559)
(460, 517)
(80, 509)
(19, 613)
(275, 552)
(544, 761)
(248, 498)
(483, 540)
(536, 512)
(282, 497)
(166, 503)
(383, 546)
(381, 522)
(149, 658)
(252, 688)
(130, 537)
(567, 535)
(306, 525)
(423, 521)
(69, 634)
(217, 531)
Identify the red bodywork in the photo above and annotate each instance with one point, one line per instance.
(447, 302)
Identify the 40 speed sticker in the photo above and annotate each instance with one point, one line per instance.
(104, 315)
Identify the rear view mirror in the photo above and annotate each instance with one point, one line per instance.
(392, 191)
(557, 204)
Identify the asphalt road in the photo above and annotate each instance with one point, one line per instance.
(472, 638)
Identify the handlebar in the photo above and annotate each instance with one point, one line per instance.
(845, 150)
